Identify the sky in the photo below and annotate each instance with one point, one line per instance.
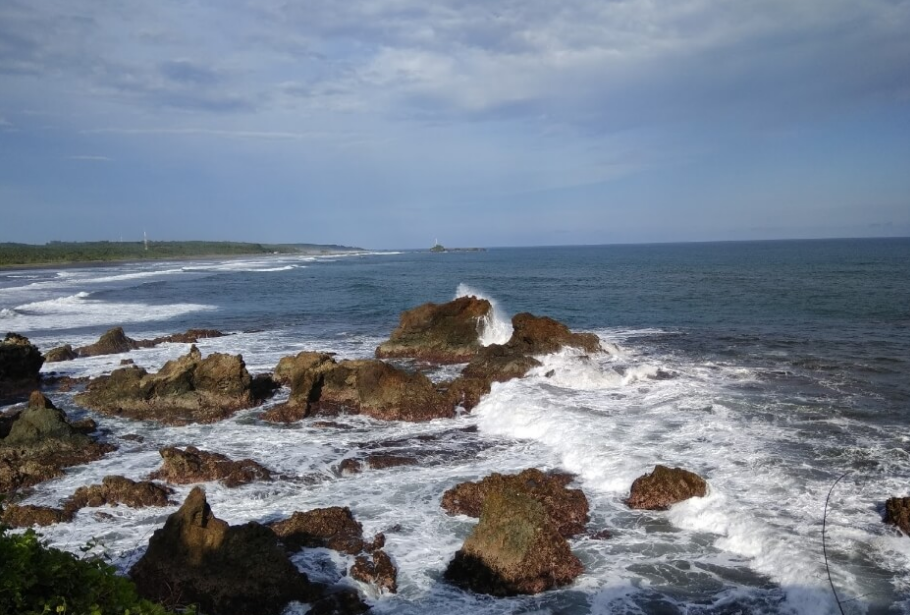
(393, 123)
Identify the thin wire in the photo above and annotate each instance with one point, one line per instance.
(824, 542)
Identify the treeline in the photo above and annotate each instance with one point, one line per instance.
(76, 252)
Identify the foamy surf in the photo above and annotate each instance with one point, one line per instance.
(496, 327)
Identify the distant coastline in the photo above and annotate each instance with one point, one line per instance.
(20, 255)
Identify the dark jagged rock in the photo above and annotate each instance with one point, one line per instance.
(60, 353)
(191, 336)
(191, 465)
(378, 570)
(112, 341)
(381, 391)
(375, 461)
(20, 365)
(897, 512)
(566, 508)
(303, 373)
(185, 390)
(543, 335)
(339, 601)
(495, 363)
(28, 516)
(439, 333)
(514, 549)
(664, 487)
(332, 528)
(226, 570)
(40, 444)
(85, 426)
(116, 490)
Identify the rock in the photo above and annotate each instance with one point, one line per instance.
(189, 389)
(40, 443)
(381, 391)
(439, 333)
(664, 487)
(226, 570)
(566, 508)
(290, 369)
(538, 335)
(191, 336)
(112, 341)
(495, 363)
(378, 570)
(20, 365)
(304, 374)
(514, 549)
(28, 516)
(85, 426)
(125, 362)
(332, 528)
(115, 490)
(375, 461)
(897, 512)
(192, 465)
(60, 353)
(339, 601)
(600, 535)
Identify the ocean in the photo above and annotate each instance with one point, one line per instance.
(788, 365)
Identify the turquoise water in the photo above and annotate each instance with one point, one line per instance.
(790, 367)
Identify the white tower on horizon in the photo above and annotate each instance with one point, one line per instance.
(145, 240)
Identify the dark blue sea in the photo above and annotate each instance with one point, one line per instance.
(788, 365)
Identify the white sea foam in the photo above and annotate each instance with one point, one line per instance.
(496, 327)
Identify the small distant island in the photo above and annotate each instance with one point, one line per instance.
(61, 252)
(440, 248)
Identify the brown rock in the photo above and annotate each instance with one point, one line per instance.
(514, 549)
(28, 516)
(378, 570)
(60, 353)
(226, 570)
(897, 512)
(439, 333)
(191, 465)
(115, 490)
(20, 366)
(339, 601)
(332, 528)
(186, 390)
(304, 373)
(664, 487)
(566, 508)
(543, 335)
(112, 341)
(495, 363)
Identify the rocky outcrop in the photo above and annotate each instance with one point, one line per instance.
(304, 374)
(331, 528)
(515, 548)
(339, 601)
(60, 353)
(897, 512)
(495, 363)
(112, 341)
(115, 490)
(536, 335)
(664, 487)
(191, 465)
(28, 516)
(376, 569)
(439, 333)
(41, 443)
(20, 364)
(375, 461)
(566, 508)
(189, 389)
(115, 341)
(226, 570)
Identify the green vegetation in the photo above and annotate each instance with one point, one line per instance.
(40, 580)
(437, 248)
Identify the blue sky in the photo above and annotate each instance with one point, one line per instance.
(389, 123)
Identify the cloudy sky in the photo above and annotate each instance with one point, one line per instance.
(390, 123)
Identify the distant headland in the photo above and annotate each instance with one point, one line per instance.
(440, 248)
(63, 252)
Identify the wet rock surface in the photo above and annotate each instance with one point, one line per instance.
(29, 515)
(185, 390)
(566, 508)
(191, 465)
(116, 341)
(897, 512)
(115, 490)
(514, 549)
(376, 569)
(226, 570)
(331, 528)
(664, 487)
(20, 366)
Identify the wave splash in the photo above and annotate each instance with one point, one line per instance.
(496, 327)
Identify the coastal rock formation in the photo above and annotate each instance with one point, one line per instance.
(41, 443)
(375, 461)
(112, 341)
(28, 516)
(897, 512)
(664, 487)
(439, 333)
(115, 341)
(377, 569)
(495, 363)
(191, 465)
(543, 335)
(185, 390)
(566, 508)
(225, 569)
(115, 490)
(331, 528)
(20, 364)
(514, 549)
(339, 601)
(60, 353)
(303, 373)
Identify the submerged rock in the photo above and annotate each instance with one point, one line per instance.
(377, 569)
(897, 512)
(185, 390)
(226, 570)
(515, 548)
(331, 528)
(439, 333)
(20, 365)
(41, 443)
(115, 490)
(664, 487)
(191, 465)
(566, 508)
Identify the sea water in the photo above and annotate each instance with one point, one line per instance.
(770, 368)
